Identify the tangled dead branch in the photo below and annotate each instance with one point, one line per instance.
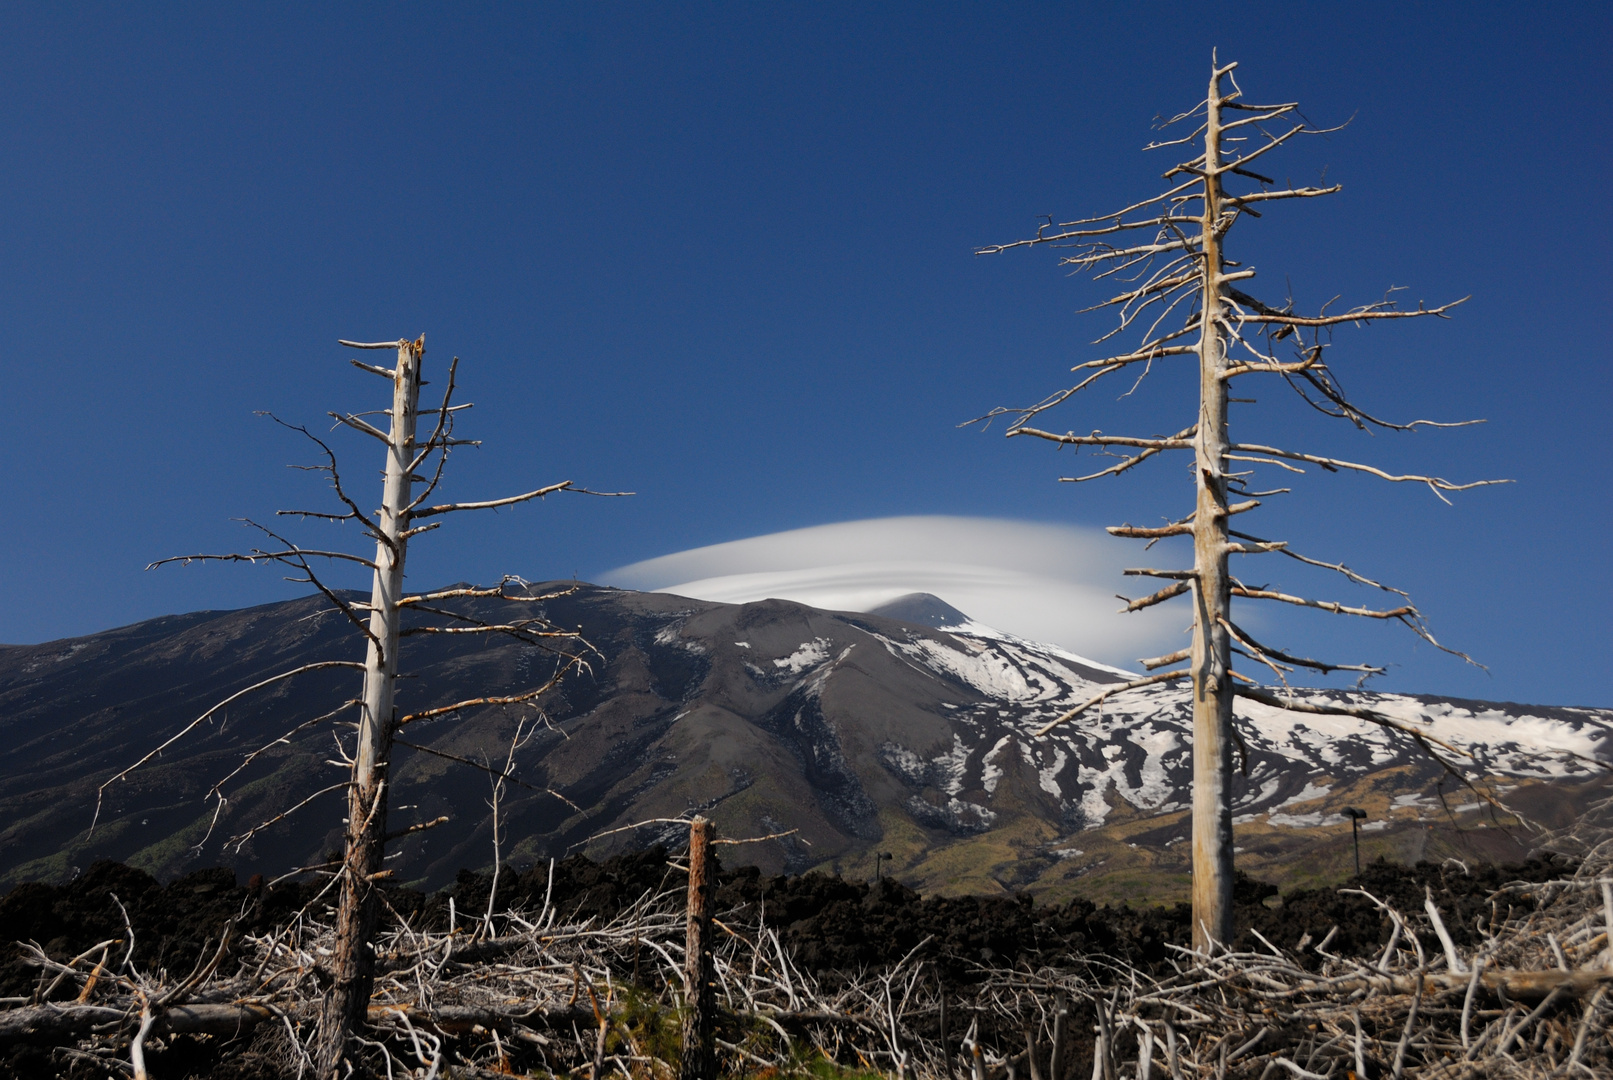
(538, 992)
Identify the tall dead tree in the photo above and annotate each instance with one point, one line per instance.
(1188, 298)
(351, 968)
(414, 471)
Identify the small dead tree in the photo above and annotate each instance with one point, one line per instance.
(414, 471)
(699, 1004)
(1188, 299)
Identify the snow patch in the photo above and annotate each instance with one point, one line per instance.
(809, 654)
(1047, 775)
(1310, 793)
(1305, 821)
(951, 766)
(671, 636)
(990, 772)
(1094, 807)
(902, 761)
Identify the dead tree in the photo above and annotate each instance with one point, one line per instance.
(1189, 300)
(699, 1003)
(414, 471)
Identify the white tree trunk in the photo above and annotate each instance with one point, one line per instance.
(1212, 645)
(352, 967)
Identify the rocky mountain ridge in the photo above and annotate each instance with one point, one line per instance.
(906, 730)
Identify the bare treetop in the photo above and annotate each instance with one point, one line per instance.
(1161, 275)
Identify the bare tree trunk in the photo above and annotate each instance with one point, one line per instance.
(946, 1045)
(699, 1062)
(1061, 1023)
(1212, 645)
(352, 967)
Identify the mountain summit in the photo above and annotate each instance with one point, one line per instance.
(847, 733)
(922, 609)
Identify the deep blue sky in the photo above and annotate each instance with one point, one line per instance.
(721, 256)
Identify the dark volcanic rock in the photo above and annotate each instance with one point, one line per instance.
(173, 923)
(832, 926)
(829, 924)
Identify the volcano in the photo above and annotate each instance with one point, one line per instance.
(832, 734)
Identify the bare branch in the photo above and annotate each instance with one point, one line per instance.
(1184, 527)
(386, 373)
(418, 827)
(1239, 164)
(359, 425)
(1325, 605)
(1291, 704)
(353, 510)
(418, 529)
(1267, 114)
(489, 591)
(1435, 483)
(295, 556)
(1359, 315)
(495, 773)
(1194, 134)
(255, 557)
(449, 508)
(1138, 533)
(1105, 695)
(241, 839)
(629, 828)
(1280, 670)
(760, 839)
(1263, 548)
(1284, 658)
(1149, 351)
(471, 703)
(1292, 192)
(532, 632)
(283, 740)
(1158, 598)
(1406, 614)
(1338, 568)
(521, 630)
(1423, 739)
(1169, 658)
(188, 728)
(1322, 379)
(1042, 237)
(440, 439)
(1182, 440)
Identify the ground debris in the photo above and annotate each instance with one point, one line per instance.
(1435, 970)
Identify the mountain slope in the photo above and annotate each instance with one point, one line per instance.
(907, 734)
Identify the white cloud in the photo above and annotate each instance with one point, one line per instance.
(1052, 583)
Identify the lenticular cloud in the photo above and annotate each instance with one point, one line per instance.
(1052, 583)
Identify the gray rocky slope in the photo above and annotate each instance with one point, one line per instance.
(904, 730)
